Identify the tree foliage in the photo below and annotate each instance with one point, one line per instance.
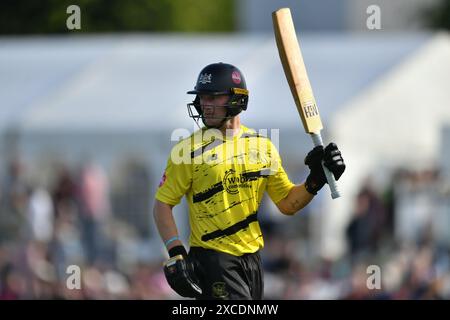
(438, 16)
(49, 16)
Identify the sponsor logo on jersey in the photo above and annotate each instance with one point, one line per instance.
(232, 183)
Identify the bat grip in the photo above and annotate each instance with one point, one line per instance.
(317, 140)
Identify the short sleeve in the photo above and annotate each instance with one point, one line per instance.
(175, 182)
(278, 184)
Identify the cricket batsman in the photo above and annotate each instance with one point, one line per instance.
(223, 169)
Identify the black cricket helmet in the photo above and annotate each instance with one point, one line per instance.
(220, 79)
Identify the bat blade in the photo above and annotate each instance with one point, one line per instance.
(297, 78)
(295, 70)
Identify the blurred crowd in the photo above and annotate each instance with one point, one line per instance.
(400, 233)
(75, 221)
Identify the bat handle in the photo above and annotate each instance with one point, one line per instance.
(317, 140)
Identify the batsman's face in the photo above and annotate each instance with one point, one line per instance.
(213, 108)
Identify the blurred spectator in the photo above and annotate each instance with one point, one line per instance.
(41, 215)
(95, 207)
(13, 203)
(131, 201)
(12, 283)
(366, 227)
(66, 245)
(417, 204)
(65, 189)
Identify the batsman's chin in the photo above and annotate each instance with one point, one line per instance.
(212, 122)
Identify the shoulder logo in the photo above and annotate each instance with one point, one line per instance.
(163, 179)
(205, 78)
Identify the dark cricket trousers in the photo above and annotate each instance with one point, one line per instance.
(223, 276)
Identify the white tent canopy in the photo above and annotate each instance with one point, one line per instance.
(131, 82)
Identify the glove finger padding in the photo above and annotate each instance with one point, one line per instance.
(333, 160)
(181, 278)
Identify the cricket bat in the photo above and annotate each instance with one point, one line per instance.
(297, 78)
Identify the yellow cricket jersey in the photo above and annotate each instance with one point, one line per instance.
(224, 180)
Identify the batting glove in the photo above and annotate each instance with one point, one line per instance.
(179, 273)
(332, 158)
